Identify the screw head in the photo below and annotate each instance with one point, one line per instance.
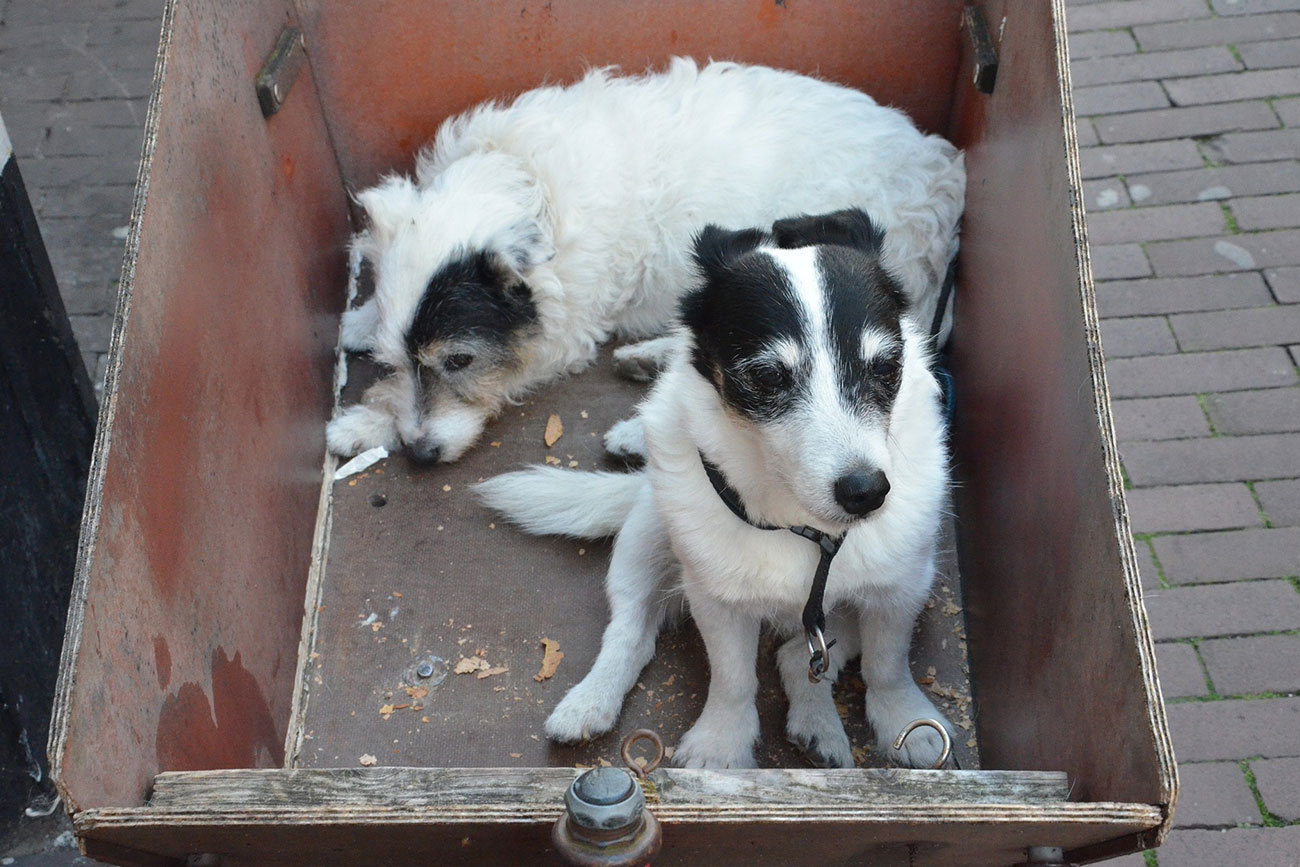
(425, 669)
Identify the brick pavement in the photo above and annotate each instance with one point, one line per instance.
(1195, 223)
(1190, 127)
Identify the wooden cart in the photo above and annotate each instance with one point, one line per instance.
(244, 629)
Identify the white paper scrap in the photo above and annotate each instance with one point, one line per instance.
(361, 462)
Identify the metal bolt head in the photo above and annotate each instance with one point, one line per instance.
(425, 669)
(605, 799)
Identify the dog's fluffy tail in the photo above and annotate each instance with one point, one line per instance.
(549, 501)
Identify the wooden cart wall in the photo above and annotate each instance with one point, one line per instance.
(183, 641)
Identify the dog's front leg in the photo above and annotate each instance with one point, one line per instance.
(893, 698)
(724, 735)
(641, 561)
(812, 723)
(357, 332)
(641, 362)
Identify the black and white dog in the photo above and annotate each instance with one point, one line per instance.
(533, 232)
(800, 396)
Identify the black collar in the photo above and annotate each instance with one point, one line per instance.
(814, 619)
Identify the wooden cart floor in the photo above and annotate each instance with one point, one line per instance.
(416, 571)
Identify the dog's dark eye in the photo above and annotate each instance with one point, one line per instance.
(884, 368)
(769, 377)
(459, 361)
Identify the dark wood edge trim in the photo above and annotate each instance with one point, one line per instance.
(103, 435)
(1159, 725)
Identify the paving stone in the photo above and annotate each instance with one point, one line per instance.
(1101, 162)
(1105, 194)
(1213, 459)
(1126, 13)
(1190, 373)
(1184, 508)
(1188, 122)
(1280, 501)
(1196, 848)
(1234, 85)
(1239, 608)
(1271, 55)
(1255, 147)
(1180, 672)
(1209, 184)
(1214, 795)
(1085, 135)
(1288, 110)
(1182, 294)
(1235, 729)
(1230, 555)
(1159, 418)
(1255, 412)
(1147, 335)
(1267, 212)
(1217, 31)
(1146, 561)
(1225, 329)
(1285, 283)
(1114, 98)
(1156, 224)
(1153, 64)
(1244, 252)
(1252, 7)
(1119, 261)
(92, 332)
(61, 171)
(1249, 666)
(1135, 860)
(1101, 43)
(1295, 353)
(1278, 781)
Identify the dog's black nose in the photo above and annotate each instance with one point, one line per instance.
(423, 453)
(861, 491)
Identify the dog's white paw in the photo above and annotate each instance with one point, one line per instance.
(358, 428)
(357, 332)
(889, 711)
(626, 439)
(640, 362)
(815, 728)
(584, 713)
(722, 745)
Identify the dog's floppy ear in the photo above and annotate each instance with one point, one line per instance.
(525, 245)
(716, 247)
(848, 228)
(388, 205)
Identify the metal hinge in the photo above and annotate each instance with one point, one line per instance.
(982, 49)
(280, 69)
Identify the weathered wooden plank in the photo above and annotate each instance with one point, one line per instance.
(544, 787)
(989, 835)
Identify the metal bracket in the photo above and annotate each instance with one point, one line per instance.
(985, 54)
(280, 70)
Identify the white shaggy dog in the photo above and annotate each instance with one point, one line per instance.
(800, 391)
(535, 231)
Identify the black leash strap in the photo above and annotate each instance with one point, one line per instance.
(814, 618)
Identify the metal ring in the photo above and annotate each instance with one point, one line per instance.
(937, 726)
(819, 654)
(656, 758)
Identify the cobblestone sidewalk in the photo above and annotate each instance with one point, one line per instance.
(1190, 127)
(1191, 131)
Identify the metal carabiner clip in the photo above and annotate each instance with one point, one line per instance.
(929, 723)
(819, 654)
